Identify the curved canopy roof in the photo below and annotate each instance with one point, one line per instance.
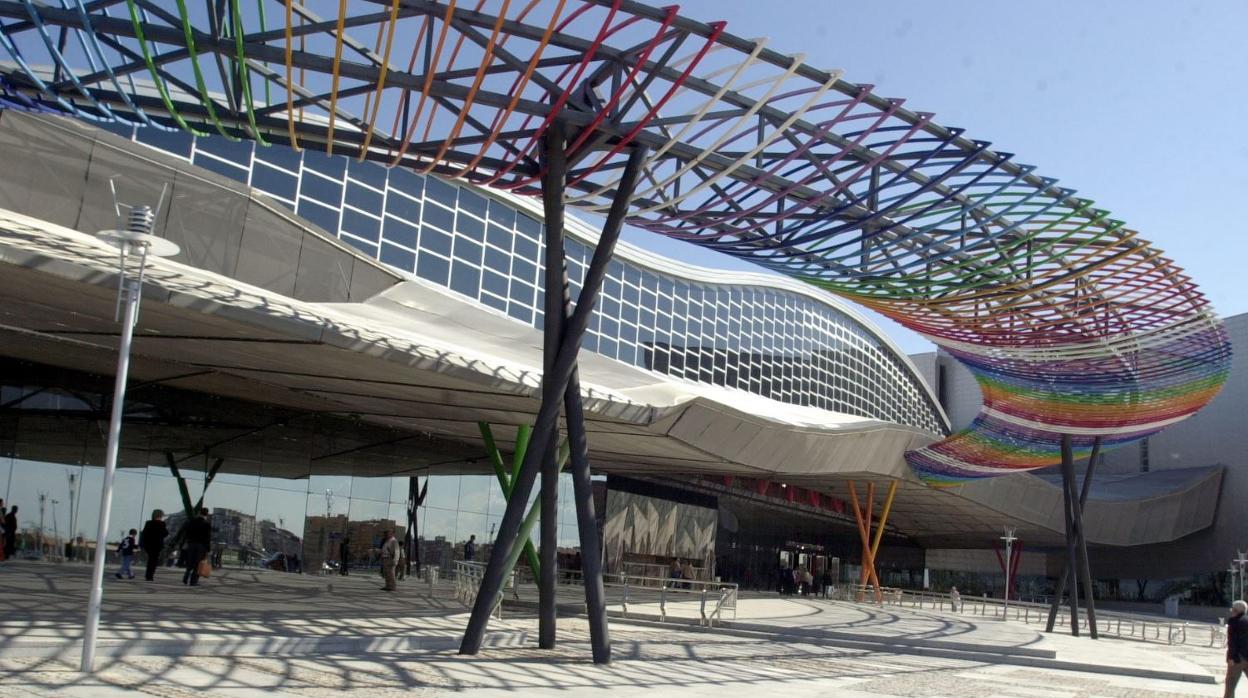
(1072, 324)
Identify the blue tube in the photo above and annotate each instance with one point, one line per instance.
(60, 61)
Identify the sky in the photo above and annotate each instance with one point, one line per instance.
(1137, 105)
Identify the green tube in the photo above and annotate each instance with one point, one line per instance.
(524, 539)
(189, 33)
(151, 68)
(244, 75)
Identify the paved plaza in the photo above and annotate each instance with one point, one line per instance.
(254, 632)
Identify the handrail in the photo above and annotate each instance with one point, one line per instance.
(1123, 625)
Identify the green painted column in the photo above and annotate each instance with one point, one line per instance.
(524, 544)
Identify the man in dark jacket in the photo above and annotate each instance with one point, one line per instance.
(198, 541)
(10, 533)
(1236, 646)
(152, 540)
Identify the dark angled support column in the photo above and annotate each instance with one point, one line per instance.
(553, 184)
(548, 415)
(1072, 546)
(582, 484)
(415, 497)
(1063, 579)
(1085, 569)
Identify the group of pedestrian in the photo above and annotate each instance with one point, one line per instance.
(679, 570)
(196, 544)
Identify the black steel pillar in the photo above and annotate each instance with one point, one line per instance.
(415, 497)
(1063, 579)
(553, 184)
(1068, 491)
(553, 391)
(582, 484)
(1085, 570)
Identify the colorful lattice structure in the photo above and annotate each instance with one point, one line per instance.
(1072, 324)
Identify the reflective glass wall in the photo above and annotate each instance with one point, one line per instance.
(295, 524)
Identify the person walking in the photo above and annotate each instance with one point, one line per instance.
(344, 555)
(470, 548)
(389, 559)
(955, 599)
(152, 540)
(3, 535)
(198, 543)
(1236, 646)
(10, 533)
(126, 550)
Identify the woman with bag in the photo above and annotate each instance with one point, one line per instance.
(198, 541)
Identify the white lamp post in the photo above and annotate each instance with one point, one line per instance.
(136, 241)
(1009, 539)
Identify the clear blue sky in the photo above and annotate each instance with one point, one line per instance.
(1137, 105)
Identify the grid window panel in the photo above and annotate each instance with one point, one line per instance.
(772, 342)
(403, 207)
(399, 258)
(275, 182)
(400, 233)
(360, 225)
(331, 166)
(320, 189)
(225, 169)
(363, 198)
(433, 268)
(439, 216)
(322, 216)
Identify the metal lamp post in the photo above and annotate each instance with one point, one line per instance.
(73, 514)
(39, 541)
(1241, 561)
(57, 547)
(1009, 539)
(135, 242)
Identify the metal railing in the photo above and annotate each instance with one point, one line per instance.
(636, 590)
(714, 599)
(1145, 628)
(468, 576)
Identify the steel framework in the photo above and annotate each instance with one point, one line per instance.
(1076, 329)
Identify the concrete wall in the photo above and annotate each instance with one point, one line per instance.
(1217, 435)
(962, 397)
(58, 169)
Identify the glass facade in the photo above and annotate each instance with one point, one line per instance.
(777, 343)
(295, 522)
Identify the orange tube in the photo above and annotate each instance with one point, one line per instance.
(335, 76)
